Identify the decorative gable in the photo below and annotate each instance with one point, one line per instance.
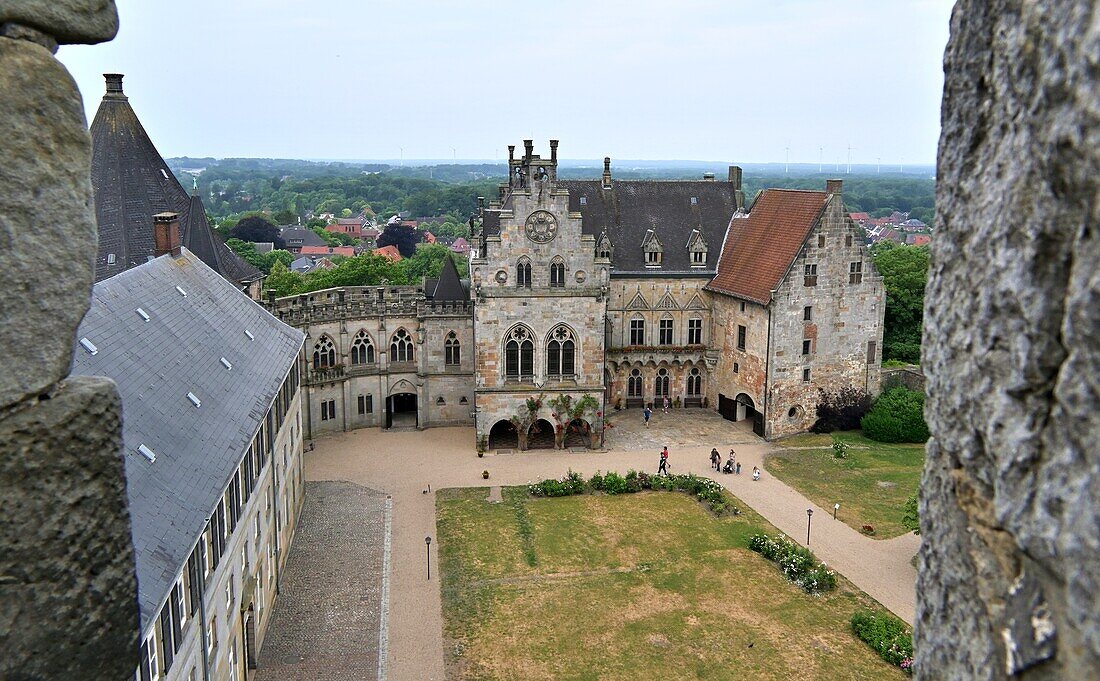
(667, 302)
(696, 303)
(654, 251)
(697, 249)
(638, 303)
(604, 247)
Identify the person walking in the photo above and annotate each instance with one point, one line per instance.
(664, 404)
(715, 459)
(662, 467)
(647, 413)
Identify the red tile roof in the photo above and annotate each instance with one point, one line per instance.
(390, 252)
(349, 251)
(860, 216)
(429, 238)
(760, 248)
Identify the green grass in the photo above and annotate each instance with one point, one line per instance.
(648, 585)
(807, 464)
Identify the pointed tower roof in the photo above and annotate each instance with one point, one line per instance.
(449, 286)
(132, 183)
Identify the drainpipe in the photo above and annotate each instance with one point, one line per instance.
(202, 612)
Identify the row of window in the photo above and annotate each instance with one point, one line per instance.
(855, 274)
(159, 649)
(635, 383)
(821, 240)
(519, 354)
(523, 274)
(401, 350)
(664, 331)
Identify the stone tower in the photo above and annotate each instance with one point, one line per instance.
(539, 312)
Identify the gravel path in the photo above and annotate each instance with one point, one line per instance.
(406, 464)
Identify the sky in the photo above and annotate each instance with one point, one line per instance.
(719, 80)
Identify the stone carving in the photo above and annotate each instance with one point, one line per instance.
(541, 226)
(1009, 582)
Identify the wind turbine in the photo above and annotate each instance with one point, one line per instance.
(849, 158)
(787, 163)
(879, 165)
(820, 158)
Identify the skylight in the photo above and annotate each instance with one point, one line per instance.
(147, 453)
(194, 399)
(249, 334)
(226, 363)
(89, 346)
(181, 291)
(143, 314)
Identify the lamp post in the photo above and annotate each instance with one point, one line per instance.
(836, 507)
(428, 548)
(809, 515)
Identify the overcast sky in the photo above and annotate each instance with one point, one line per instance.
(729, 80)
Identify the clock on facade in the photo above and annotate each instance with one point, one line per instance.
(542, 227)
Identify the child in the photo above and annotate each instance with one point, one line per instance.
(738, 468)
(665, 404)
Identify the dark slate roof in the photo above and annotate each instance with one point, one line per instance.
(308, 237)
(761, 246)
(449, 286)
(155, 364)
(132, 183)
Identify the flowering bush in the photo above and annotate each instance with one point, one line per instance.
(796, 562)
(569, 484)
(704, 489)
(887, 635)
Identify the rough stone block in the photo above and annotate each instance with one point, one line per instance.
(47, 218)
(68, 21)
(68, 591)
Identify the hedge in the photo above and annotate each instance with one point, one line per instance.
(797, 562)
(704, 489)
(896, 416)
(887, 635)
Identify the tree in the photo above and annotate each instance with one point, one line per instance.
(283, 281)
(904, 272)
(897, 416)
(276, 256)
(405, 238)
(257, 230)
(428, 262)
(840, 409)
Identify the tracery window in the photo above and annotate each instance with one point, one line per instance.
(557, 274)
(519, 354)
(451, 349)
(661, 387)
(560, 353)
(634, 384)
(523, 274)
(324, 354)
(401, 347)
(362, 349)
(694, 383)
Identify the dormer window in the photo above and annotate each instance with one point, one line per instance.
(697, 249)
(653, 249)
(604, 248)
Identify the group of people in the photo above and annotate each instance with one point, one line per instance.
(647, 413)
(732, 466)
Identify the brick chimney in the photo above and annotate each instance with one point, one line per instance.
(166, 234)
(114, 85)
(834, 186)
(735, 176)
(607, 172)
(709, 177)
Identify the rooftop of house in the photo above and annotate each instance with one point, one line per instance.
(390, 252)
(168, 331)
(348, 251)
(300, 236)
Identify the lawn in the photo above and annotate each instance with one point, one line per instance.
(639, 586)
(871, 485)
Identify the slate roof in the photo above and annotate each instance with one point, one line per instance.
(630, 208)
(308, 237)
(449, 285)
(761, 246)
(155, 364)
(132, 183)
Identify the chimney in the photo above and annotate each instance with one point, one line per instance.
(166, 234)
(607, 172)
(553, 151)
(709, 177)
(735, 176)
(529, 149)
(114, 84)
(511, 153)
(834, 186)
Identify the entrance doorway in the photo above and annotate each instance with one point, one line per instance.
(401, 411)
(503, 435)
(746, 409)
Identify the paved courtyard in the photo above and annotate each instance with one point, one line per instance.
(410, 466)
(326, 619)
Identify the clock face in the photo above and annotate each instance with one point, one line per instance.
(542, 227)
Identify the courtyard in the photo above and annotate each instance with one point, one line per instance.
(413, 466)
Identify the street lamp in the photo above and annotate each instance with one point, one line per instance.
(428, 548)
(836, 507)
(809, 515)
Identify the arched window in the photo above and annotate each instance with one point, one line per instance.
(401, 347)
(694, 383)
(324, 354)
(451, 349)
(362, 349)
(561, 353)
(523, 274)
(660, 389)
(557, 274)
(519, 354)
(634, 384)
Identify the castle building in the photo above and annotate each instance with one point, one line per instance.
(590, 295)
(212, 442)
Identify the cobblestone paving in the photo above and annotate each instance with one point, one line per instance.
(677, 428)
(325, 623)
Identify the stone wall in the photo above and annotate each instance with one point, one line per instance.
(1009, 574)
(739, 371)
(68, 592)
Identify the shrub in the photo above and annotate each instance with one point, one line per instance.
(797, 563)
(613, 483)
(887, 635)
(569, 484)
(840, 410)
(897, 416)
(840, 449)
(911, 517)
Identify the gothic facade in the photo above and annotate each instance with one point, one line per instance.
(590, 295)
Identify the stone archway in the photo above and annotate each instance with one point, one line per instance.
(503, 435)
(540, 435)
(577, 434)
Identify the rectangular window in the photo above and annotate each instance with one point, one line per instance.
(370, 404)
(741, 333)
(362, 404)
(736, 368)
(872, 350)
(653, 257)
(229, 595)
(742, 306)
(698, 257)
(806, 375)
(848, 240)
(808, 313)
(212, 635)
(807, 346)
(666, 332)
(695, 332)
(328, 410)
(810, 276)
(637, 332)
(166, 637)
(855, 273)
(150, 667)
(821, 241)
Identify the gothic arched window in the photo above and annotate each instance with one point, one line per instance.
(561, 353)
(661, 387)
(523, 274)
(362, 349)
(401, 347)
(324, 354)
(519, 354)
(634, 384)
(557, 273)
(451, 349)
(694, 383)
